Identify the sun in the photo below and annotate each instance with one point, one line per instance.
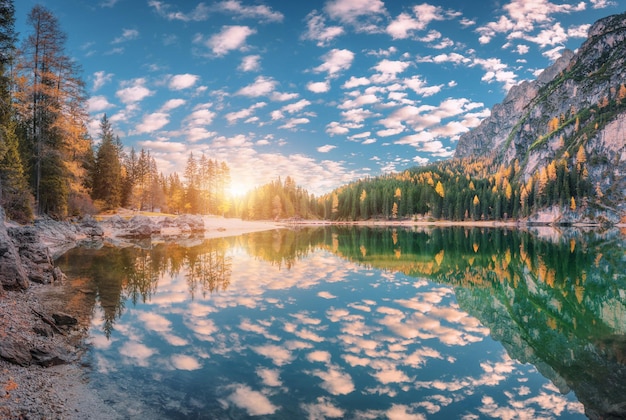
(238, 189)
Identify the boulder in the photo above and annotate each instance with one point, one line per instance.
(34, 255)
(194, 223)
(15, 352)
(140, 227)
(90, 227)
(12, 273)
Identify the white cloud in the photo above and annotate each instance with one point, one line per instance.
(318, 31)
(318, 87)
(335, 61)
(250, 63)
(254, 402)
(260, 12)
(183, 81)
(228, 39)
(173, 104)
(233, 117)
(524, 17)
(602, 4)
(262, 86)
(294, 123)
(101, 78)
(296, 106)
(134, 92)
(98, 104)
(127, 35)
(199, 13)
(362, 14)
(388, 70)
(152, 122)
(326, 148)
(354, 82)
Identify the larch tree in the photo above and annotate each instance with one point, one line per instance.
(51, 103)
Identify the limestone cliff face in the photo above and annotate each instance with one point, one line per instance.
(579, 101)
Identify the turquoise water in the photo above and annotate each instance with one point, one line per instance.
(359, 323)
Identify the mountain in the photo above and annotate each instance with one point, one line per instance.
(577, 103)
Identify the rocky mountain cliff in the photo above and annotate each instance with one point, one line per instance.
(579, 101)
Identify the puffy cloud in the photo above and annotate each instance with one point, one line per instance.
(318, 87)
(250, 63)
(335, 61)
(173, 104)
(362, 14)
(326, 148)
(355, 82)
(228, 39)
(254, 402)
(101, 78)
(152, 122)
(134, 91)
(294, 123)
(270, 377)
(98, 103)
(185, 362)
(262, 86)
(405, 24)
(318, 31)
(233, 117)
(296, 106)
(183, 81)
(279, 355)
(602, 4)
(335, 381)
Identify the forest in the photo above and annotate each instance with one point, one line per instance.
(49, 165)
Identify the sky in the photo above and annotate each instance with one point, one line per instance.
(324, 91)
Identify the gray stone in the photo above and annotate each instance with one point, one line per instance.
(15, 352)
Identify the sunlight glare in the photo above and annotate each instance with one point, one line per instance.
(238, 189)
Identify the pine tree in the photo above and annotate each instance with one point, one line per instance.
(107, 177)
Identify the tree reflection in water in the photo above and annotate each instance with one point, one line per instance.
(558, 302)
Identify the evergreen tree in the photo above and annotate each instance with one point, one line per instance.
(107, 177)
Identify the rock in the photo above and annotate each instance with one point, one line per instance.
(15, 352)
(34, 255)
(43, 330)
(46, 359)
(62, 319)
(140, 227)
(12, 273)
(195, 223)
(90, 227)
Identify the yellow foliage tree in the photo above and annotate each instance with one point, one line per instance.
(572, 204)
(439, 189)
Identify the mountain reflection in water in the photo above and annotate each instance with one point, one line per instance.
(360, 322)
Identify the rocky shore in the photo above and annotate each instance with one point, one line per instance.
(44, 317)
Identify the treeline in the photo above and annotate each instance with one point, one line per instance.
(48, 162)
(462, 189)
(277, 200)
(132, 180)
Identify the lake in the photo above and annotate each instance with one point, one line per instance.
(345, 322)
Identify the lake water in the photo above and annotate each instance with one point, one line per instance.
(360, 323)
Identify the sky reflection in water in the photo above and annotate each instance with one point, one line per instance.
(308, 330)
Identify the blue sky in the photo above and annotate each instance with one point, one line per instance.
(326, 91)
